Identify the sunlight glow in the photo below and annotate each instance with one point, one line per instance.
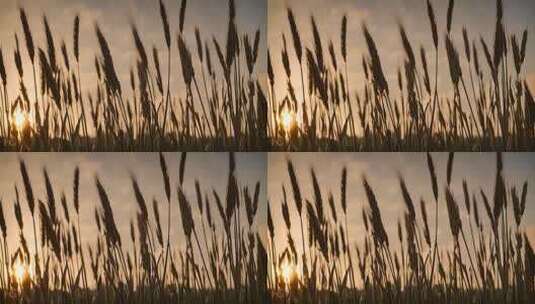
(288, 272)
(21, 119)
(288, 120)
(21, 272)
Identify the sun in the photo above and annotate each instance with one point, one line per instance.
(21, 119)
(21, 272)
(288, 272)
(288, 120)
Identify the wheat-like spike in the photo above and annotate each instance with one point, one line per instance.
(156, 211)
(182, 15)
(499, 10)
(198, 39)
(433, 22)
(317, 44)
(76, 38)
(453, 214)
(333, 55)
(140, 199)
(208, 211)
(3, 74)
(453, 61)
(159, 81)
(466, 45)
(333, 207)
(500, 44)
(427, 234)
(343, 190)
(185, 210)
(516, 206)
(365, 219)
(112, 234)
(232, 46)
(185, 58)
(208, 59)
(407, 199)
(285, 210)
(450, 14)
(427, 81)
(451, 155)
(165, 24)
(226, 221)
(3, 226)
(271, 228)
(343, 38)
(285, 58)
(182, 168)
(199, 196)
(295, 187)
(524, 43)
(232, 198)
(523, 197)
(256, 45)
(271, 74)
(165, 175)
(27, 34)
(232, 10)
(318, 201)
(379, 232)
(256, 197)
(488, 209)
(298, 47)
(27, 186)
(65, 207)
(466, 196)
(248, 206)
(432, 173)
(18, 59)
(17, 209)
(51, 200)
(76, 190)
(377, 70)
(50, 44)
(500, 195)
(65, 55)
(407, 46)
(139, 46)
(109, 68)
(476, 211)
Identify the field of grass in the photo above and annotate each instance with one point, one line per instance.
(222, 260)
(221, 108)
(488, 108)
(489, 259)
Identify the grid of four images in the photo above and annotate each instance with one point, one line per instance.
(267, 151)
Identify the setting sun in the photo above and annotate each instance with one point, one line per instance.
(21, 119)
(288, 120)
(21, 272)
(288, 272)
